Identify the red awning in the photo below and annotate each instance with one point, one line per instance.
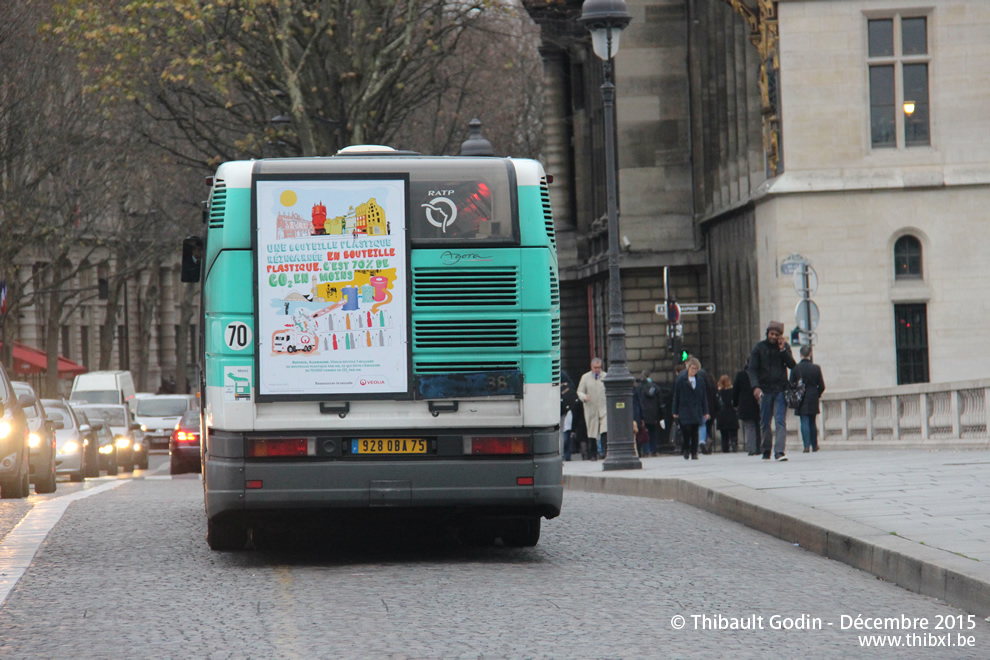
(28, 361)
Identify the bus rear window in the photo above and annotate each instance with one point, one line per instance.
(451, 202)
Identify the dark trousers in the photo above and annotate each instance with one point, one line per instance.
(730, 439)
(690, 433)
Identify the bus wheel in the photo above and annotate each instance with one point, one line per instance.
(478, 535)
(522, 533)
(225, 537)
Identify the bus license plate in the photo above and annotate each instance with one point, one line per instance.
(388, 446)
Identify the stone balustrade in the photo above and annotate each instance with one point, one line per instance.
(929, 415)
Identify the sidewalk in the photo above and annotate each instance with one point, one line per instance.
(918, 518)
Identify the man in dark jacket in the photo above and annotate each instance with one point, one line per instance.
(768, 365)
(814, 385)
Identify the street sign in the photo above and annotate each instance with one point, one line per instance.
(688, 308)
(698, 308)
(806, 314)
(806, 280)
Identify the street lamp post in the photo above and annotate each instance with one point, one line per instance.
(605, 19)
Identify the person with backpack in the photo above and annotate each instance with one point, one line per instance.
(814, 384)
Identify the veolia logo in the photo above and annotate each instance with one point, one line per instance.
(442, 208)
(370, 381)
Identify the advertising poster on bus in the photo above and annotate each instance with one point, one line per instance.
(332, 303)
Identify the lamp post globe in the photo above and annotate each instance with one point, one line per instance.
(606, 19)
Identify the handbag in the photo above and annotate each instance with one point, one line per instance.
(794, 394)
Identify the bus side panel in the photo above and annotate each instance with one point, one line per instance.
(228, 295)
(230, 223)
(535, 220)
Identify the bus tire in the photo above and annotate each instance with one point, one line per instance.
(225, 537)
(522, 533)
(478, 535)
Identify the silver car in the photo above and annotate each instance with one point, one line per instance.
(71, 441)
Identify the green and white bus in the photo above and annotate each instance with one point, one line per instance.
(381, 331)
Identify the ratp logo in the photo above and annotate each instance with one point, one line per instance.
(447, 216)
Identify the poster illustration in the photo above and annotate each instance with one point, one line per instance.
(332, 287)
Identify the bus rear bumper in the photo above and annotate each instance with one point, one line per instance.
(246, 489)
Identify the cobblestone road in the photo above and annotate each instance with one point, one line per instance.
(127, 574)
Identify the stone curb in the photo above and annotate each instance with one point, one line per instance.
(961, 582)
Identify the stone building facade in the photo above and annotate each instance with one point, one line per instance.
(756, 136)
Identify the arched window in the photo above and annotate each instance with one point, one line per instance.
(907, 258)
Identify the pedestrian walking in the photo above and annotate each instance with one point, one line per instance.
(568, 404)
(814, 385)
(726, 418)
(690, 406)
(768, 365)
(706, 433)
(651, 398)
(747, 409)
(591, 392)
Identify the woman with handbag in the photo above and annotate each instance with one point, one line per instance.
(814, 384)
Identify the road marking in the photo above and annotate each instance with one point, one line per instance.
(18, 548)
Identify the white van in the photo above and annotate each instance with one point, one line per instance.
(104, 387)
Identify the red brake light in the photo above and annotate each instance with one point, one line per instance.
(277, 447)
(501, 445)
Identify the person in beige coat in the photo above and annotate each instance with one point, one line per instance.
(591, 391)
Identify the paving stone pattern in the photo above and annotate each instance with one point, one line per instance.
(127, 574)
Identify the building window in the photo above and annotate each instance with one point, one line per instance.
(911, 338)
(66, 341)
(84, 345)
(898, 77)
(907, 258)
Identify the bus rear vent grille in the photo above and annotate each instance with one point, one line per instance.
(447, 367)
(547, 213)
(554, 288)
(556, 372)
(463, 333)
(463, 287)
(555, 332)
(218, 204)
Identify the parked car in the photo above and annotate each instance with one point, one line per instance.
(15, 463)
(159, 414)
(183, 447)
(100, 437)
(125, 430)
(74, 450)
(41, 442)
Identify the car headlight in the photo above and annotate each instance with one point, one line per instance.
(34, 440)
(138, 447)
(144, 428)
(106, 449)
(122, 442)
(71, 447)
(4, 429)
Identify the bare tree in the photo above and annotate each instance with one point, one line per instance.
(342, 71)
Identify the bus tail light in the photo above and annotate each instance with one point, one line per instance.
(268, 447)
(495, 445)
